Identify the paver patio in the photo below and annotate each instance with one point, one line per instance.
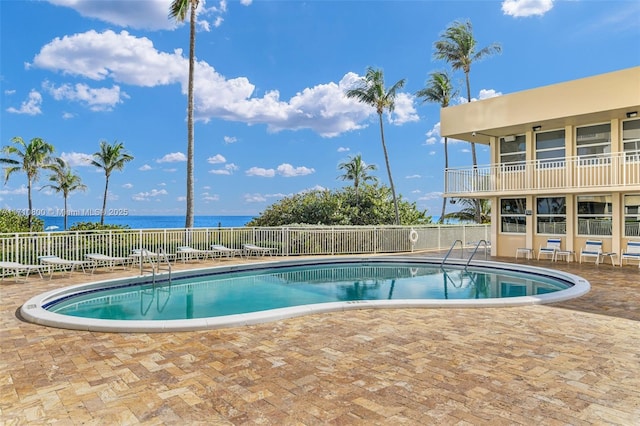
(576, 362)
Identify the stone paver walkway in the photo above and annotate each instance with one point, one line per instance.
(572, 363)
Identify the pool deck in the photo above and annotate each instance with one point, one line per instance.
(575, 362)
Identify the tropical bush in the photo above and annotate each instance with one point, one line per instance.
(14, 221)
(94, 226)
(371, 205)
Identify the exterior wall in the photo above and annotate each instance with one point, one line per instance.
(608, 98)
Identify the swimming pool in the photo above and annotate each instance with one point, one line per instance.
(253, 293)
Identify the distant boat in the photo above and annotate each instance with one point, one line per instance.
(51, 228)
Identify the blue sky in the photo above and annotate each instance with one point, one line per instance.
(272, 118)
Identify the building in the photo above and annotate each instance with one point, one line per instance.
(565, 162)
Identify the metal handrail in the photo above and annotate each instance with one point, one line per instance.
(444, 259)
(486, 246)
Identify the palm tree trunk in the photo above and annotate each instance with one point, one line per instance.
(474, 158)
(104, 199)
(446, 166)
(30, 215)
(65, 212)
(190, 144)
(386, 159)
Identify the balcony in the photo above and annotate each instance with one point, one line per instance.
(567, 175)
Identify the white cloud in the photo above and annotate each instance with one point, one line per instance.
(230, 139)
(254, 198)
(524, 8)
(287, 170)
(430, 196)
(31, 106)
(216, 159)
(145, 168)
(404, 111)
(488, 93)
(18, 191)
(127, 186)
(258, 171)
(343, 149)
(76, 158)
(205, 196)
(173, 157)
(172, 170)
(413, 177)
(101, 99)
(146, 196)
(67, 115)
(131, 60)
(182, 198)
(228, 170)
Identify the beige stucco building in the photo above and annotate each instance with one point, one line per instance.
(565, 162)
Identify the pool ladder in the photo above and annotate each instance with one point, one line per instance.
(475, 249)
(155, 266)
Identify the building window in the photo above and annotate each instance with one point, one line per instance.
(593, 140)
(550, 150)
(551, 215)
(631, 139)
(513, 150)
(632, 215)
(512, 212)
(594, 214)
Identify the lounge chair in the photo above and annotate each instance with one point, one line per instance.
(592, 248)
(631, 253)
(229, 252)
(553, 245)
(55, 261)
(18, 268)
(187, 253)
(257, 250)
(99, 259)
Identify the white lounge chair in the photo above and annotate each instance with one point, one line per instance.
(18, 268)
(631, 253)
(592, 248)
(185, 253)
(553, 245)
(257, 250)
(99, 259)
(229, 252)
(54, 261)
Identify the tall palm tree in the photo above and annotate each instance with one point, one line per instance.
(178, 11)
(109, 158)
(358, 171)
(31, 158)
(371, 91)
(458, 47)
(439, 90)
(64, 180)
(468, 212)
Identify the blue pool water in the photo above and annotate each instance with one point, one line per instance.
(222, 294)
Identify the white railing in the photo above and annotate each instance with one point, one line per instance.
(596, 171)
(288, 241)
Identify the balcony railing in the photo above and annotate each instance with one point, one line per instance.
(596, 171)
(287, 241)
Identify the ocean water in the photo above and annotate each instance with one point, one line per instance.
(56, 223)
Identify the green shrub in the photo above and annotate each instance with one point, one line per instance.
(93, 226)
(14, 221)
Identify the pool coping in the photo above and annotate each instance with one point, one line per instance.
(33, 310)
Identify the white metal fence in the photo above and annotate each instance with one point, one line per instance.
(287, 241)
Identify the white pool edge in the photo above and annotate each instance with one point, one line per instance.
(34, 312)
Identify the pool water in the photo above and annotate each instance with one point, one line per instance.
(261, 290)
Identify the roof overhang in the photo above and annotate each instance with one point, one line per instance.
(589, 100)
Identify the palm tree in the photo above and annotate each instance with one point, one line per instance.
(358, 171)
(371, 91)
(31, 158)
(64, 180)
(458, 48)
(109, 158)
(178, 11)
(468, 213)
(439, 90)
